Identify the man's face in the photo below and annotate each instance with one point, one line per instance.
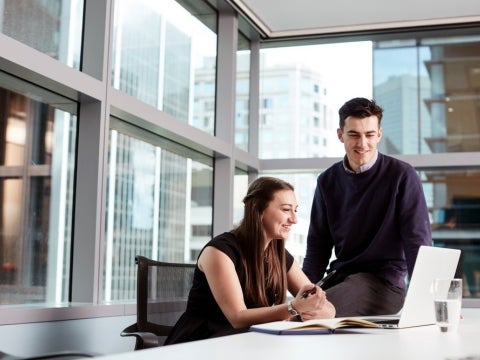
(360, 137)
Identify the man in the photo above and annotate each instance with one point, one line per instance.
(371, 209)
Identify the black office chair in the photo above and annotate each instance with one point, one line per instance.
(161, 287)
(62, 355)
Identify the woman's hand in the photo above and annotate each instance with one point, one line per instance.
(311, 302)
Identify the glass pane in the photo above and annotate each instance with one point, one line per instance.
(240, 187)
(159, 205)
(166, 57)
(53, 27)
(37, 163)
(301, 90)
(242, 103)
(430, 95)
(454, 199)
(397, 90)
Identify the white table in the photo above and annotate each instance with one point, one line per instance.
(425, 342)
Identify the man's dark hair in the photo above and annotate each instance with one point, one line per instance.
(360, 108)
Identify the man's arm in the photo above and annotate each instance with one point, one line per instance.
(319, 242)
(415, 222)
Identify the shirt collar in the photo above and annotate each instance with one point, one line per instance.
(362, 168)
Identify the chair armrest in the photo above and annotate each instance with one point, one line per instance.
(144, 340)
(49, 356)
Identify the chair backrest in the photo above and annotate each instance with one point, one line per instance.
(161, 287)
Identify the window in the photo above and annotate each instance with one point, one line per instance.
(242, 124)
(206, 121)
(37, 163)
(53, 27)
(209, 106)
(159, 205)
(267, 103)
(156, 46)
(153, 194)
(429, 92)
(428, 87)
(240, 185)
(453, 197)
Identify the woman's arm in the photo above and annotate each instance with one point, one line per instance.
(322, 309)
(227, 291)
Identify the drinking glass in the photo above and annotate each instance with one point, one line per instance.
(447, 296)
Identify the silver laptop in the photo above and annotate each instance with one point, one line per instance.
(418, 309)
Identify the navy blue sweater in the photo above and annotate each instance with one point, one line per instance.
(375, 221)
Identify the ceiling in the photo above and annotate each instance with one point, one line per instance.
(299, 18)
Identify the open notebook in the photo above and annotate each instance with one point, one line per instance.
(418, 309)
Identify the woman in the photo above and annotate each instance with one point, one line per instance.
(242, 276)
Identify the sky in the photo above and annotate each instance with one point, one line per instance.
(346, 67)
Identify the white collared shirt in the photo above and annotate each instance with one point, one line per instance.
(362, 168)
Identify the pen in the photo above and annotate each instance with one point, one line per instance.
(319, 284)
(324, 280)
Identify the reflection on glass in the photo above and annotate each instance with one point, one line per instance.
(165, 57)
(37, 149)
(301, 90)
(242, 103)
(430, 95)
(240, 187)
(397, 88)
(159, 205)
(53, 27)
(453, 197)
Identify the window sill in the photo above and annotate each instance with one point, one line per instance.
(33, 313)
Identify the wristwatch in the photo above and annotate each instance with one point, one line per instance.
(291, 310)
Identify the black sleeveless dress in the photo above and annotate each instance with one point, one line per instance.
(203, 318)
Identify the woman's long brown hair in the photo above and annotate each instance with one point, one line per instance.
(265, 268)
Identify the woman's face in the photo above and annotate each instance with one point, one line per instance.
(280, 215)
